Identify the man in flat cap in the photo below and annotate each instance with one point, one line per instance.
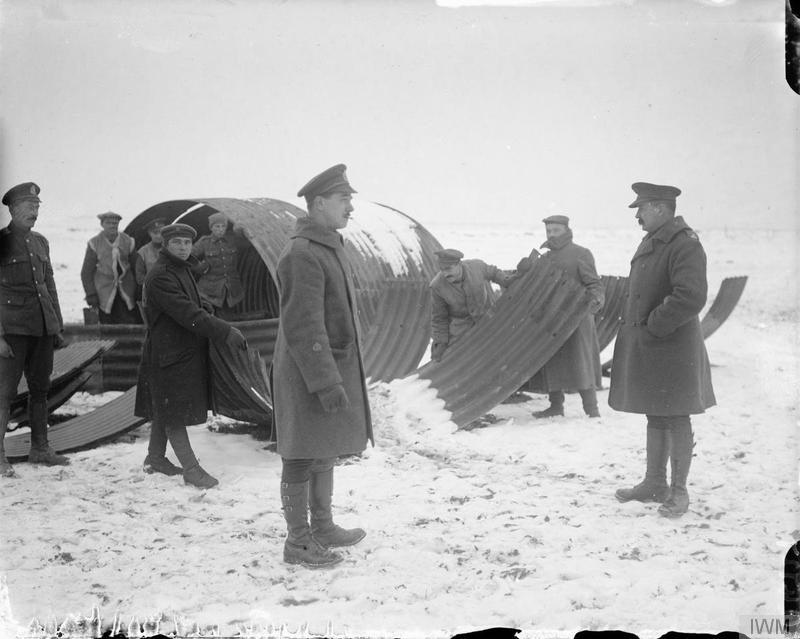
(108, 273)
(173, 384)
(461, 293)
(218, 253)
(660, 366)
(317, 376)
(576, 365)
(30, 321)
(147, 255)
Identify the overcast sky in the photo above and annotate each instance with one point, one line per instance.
(501, 114)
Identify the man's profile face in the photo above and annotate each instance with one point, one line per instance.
(24, 213)
(650, 216)
(452, 272)
(334, 210)
(180, 247)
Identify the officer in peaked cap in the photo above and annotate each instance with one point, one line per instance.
(646, 192)
(24, 191)
(318, 386)
(332, 180)
(660, 366)
(30, 321)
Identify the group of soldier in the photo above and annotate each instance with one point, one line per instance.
(321, 408)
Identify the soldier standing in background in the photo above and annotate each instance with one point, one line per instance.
(108, 271)
(576, 365)
(660, 366)
(30, 322)
(218, 270)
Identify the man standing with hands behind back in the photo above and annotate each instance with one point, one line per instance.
(317, 376)
(660, 366)
(30, 321)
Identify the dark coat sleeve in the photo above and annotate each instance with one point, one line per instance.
(689, 288)
(165, 293)
(87, 271)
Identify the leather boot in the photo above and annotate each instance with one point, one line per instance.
(156, 460)
(589, 399)
(323, 529)
(300, 546)
(681, 447)
(41, 452)
(654, 485)
(556, 408)
(193, 474)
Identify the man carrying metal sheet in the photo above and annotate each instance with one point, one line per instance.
(576, 365)
(30, 321)
(318, 385)
(173, 384)
(461, 293)
(660, 366)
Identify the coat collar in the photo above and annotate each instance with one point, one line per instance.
(557, 243)
(311, 230)
(663, 235)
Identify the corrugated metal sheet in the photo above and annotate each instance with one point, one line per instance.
(108, 421)
(239, 380)
(384, 247)
(608, 319)
(67, 361)
(529, 323)
(730, 291)
(56, 396)
(118, 368)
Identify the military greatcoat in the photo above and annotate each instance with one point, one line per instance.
(660, 364)
(576, 365)
(317, 346)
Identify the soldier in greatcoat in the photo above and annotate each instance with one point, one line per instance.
(660, 366)
(576, 365)
(461, 293)
(174, 387)
(318, 383)
(30, 322)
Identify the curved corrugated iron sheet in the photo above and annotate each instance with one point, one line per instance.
(608, 319)
(392, 257)
(239, 380)
(67, 361)
(56, 396)
(108, 421)
(730, 291)
(529, 323)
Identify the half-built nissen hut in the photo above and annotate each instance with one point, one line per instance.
(392, 257)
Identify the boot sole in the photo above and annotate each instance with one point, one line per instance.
(305, 564)
(649, 500)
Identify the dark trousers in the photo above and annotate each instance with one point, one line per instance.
(298, 471)
(588, 397)
(33, 357)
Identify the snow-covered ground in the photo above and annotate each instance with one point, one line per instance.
(512, 525)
